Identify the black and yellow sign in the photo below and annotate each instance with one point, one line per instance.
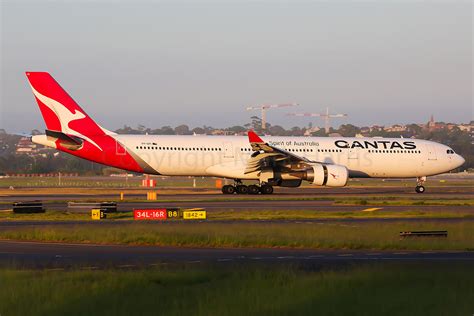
(194, 213)
(174, 213)
(98, 214)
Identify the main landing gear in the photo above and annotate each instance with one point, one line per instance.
(419, 184)
(253, 189)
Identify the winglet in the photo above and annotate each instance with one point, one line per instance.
(254, 138)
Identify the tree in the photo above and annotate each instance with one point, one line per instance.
(182, 130)
(277, 130)
(348, 130)
(167, 130)
(199, 131)
(236, 129)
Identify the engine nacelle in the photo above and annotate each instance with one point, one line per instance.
(328, 175)
(317, 174)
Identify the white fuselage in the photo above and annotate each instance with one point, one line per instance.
(227, 156)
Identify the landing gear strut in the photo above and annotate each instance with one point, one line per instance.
(419, 184)
(240, 188)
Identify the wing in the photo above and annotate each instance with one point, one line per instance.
(266, 154)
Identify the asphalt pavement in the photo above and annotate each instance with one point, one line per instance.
(93, 256)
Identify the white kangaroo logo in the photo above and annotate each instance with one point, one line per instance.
(64, 115)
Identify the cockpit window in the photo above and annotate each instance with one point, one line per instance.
(450, 151)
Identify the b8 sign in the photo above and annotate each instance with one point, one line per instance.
(150, 214)
(174, 213)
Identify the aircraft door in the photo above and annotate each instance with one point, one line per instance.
(431, 152)
(228, 150)
(120, 149)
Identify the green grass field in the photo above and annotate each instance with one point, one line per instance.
(383, 289)
(378, 235)
(342, 200)
(366, 210)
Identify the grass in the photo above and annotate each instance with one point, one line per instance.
(325, 235)
(406, 202)
(60, 216)
(103, 182)
(389, 289)
(257, 214)
(187, 182)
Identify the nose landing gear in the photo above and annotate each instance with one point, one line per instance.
(419, 184)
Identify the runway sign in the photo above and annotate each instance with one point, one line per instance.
(196, 213)
(173, 213)
(150, 214)
(98, 214)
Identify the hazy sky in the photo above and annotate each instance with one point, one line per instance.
(200, 63)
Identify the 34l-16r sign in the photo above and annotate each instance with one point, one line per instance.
(150, 214)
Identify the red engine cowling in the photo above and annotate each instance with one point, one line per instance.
(328, 175)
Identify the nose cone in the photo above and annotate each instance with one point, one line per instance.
(459, 161)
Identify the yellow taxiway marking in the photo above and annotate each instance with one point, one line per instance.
(372, 209)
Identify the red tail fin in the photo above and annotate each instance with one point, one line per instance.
(60, 112)
(65, 120)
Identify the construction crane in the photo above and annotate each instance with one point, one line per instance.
(265, 107)
(326, 116)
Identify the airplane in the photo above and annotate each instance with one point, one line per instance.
(270, 161)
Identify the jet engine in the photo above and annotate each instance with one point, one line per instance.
(328, 175)
(317, 174)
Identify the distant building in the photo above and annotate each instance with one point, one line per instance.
(395, 128)
(451, 126)
(434, 126)
(219, 132)
(376, 128)
(311, 130)
(26, 147)
(466, 127)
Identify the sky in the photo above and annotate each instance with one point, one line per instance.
(160, 63)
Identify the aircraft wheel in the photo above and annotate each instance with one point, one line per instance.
(228, 189)
(420, 189)
(266, 189)
(242, 189)
(254, 189)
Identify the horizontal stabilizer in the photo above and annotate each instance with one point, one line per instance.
(68, 141)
